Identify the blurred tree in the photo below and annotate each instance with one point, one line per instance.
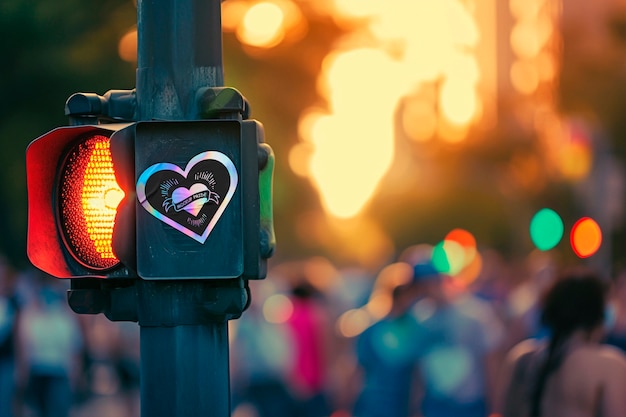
(50, 50)
(492, 184)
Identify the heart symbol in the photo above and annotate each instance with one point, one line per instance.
(182, 194)
(190, 200)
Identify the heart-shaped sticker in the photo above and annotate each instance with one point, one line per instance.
(190, 200)
(184, 198)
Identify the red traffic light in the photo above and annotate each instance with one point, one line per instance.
(73, 199)
(89, 196)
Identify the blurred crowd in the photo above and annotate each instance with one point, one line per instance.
(55, 363)
(317, 341)
(410, 341)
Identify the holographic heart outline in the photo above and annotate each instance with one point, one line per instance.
(166, 166)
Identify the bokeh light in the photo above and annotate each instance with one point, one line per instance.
(448, 257)
(353, 322)
(464, 238)
(586, 237)
(470, 272)
(546, 229)
(448, 368)
(127, 46)
(530, 42)
(456, 253)
(575, 158)
(390, 277)
(263, 25)
(277, 308)
(410, 45)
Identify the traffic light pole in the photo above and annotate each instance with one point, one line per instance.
(184, 347)
(179, 51)
(157, 204)
(183, 324)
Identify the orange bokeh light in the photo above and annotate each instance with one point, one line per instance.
(586, 237)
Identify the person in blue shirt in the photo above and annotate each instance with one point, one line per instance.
(460, 337)
(386, 357)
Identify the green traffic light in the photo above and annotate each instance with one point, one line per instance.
(546, 229)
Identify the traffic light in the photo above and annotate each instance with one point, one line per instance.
(159, 200)
(72, 203)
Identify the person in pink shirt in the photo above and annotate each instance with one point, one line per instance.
(307, 327)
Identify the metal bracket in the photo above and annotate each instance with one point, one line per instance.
(91, 108)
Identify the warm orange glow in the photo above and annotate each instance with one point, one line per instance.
(344, 238)
(471, 271)
(88, 202)
(458, 101)
(586, 237)
(113, 197)
(299, 157)
(353, 322)
(263, 25)
(397, 48)
(390, 277)
(379, 304)
(233, 12)
(547, 66)
(101, 195)
(530, 41)
(525, 40)
(462, 237)
(353, 147)
(575, 161)
(127, 47)
(277, 309)
(574, 154)
(467, 243)
(419, 120)
(449, 132)
(358, 8)
(457, 256)
(525, 9)
(524, 77)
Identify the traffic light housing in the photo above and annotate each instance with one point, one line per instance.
(159, 200)
(72, 202)
(197, 193)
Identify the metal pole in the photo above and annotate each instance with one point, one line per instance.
(184, 371)
(184, 363)
(179, 49)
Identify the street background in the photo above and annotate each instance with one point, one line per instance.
(394, 124)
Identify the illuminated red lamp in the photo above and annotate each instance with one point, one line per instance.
(72, 202)
(89, 196)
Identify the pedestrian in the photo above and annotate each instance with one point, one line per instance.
(50, 346)
(387, 360)
(461, 338)
(261, 353)
(307, 329)
(571, 374)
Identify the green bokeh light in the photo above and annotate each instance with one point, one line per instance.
(440, 259)
(448, 257)
(546, 229)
